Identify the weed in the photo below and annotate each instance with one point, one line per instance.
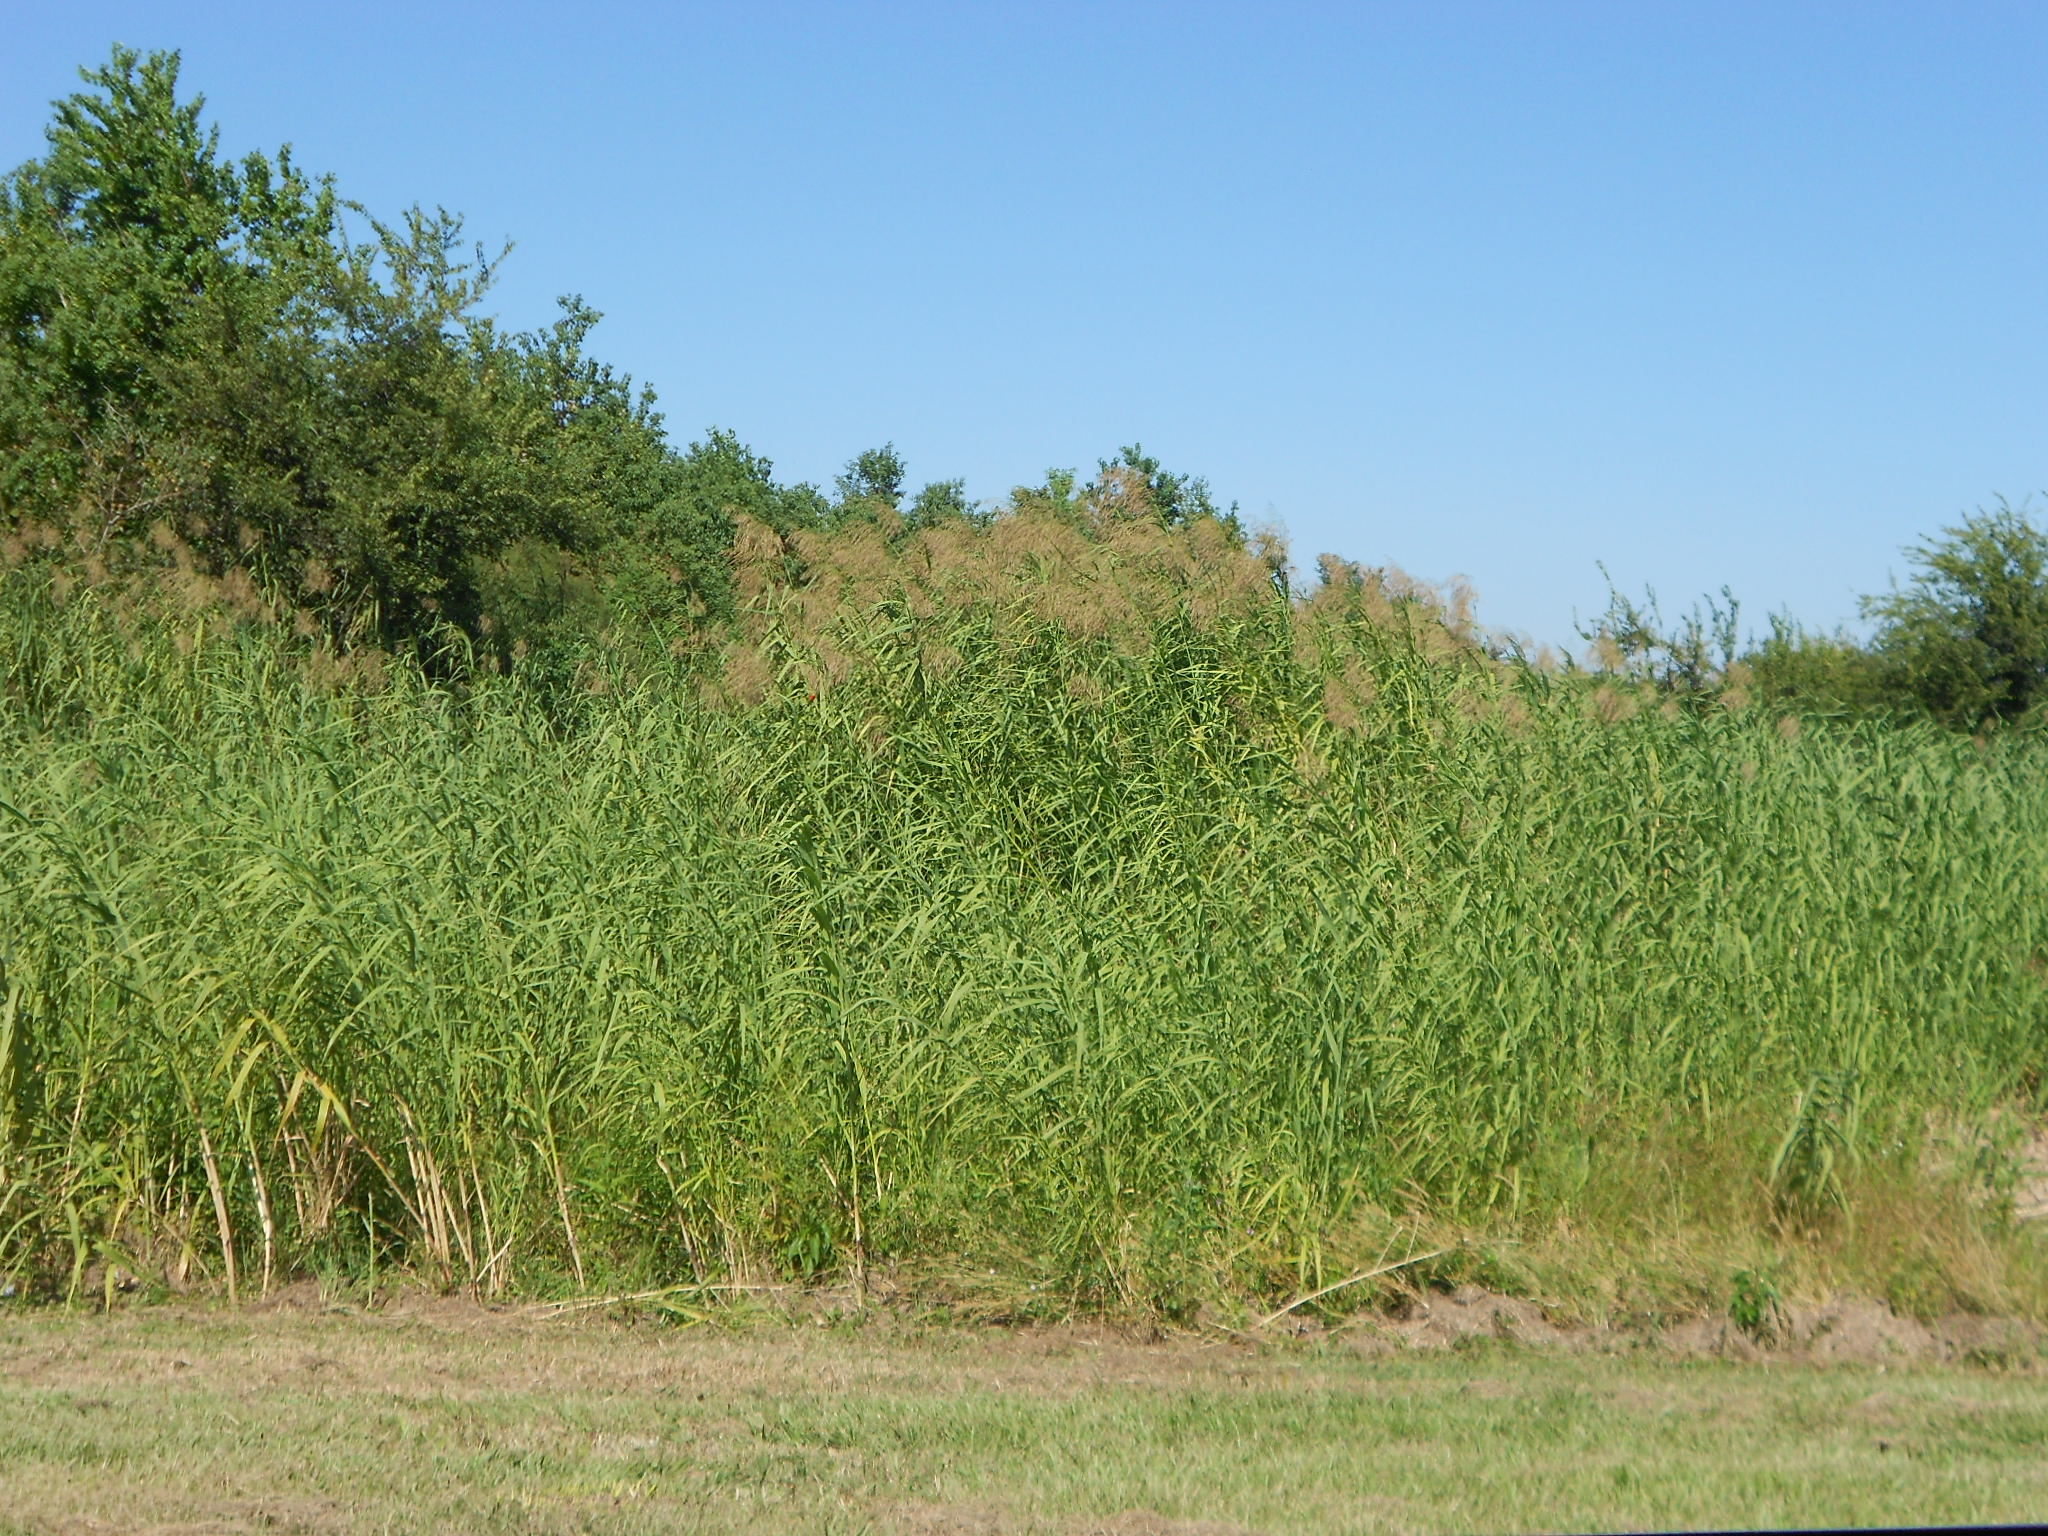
(1755, 1304)
(1806, 1171)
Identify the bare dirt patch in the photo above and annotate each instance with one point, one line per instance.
(1846, 1331)
(2030, 1196)
(971, 1520)
(1464, 1316)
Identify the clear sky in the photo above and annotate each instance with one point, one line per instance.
(1714, 293)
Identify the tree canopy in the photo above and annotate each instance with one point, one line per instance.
(227, 364)
(1967, 636)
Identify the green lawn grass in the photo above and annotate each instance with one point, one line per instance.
(459, 1420)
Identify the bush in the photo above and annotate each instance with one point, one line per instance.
(1967, 638)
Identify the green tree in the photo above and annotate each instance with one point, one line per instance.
(1967, 637)
(941, 501)
(870, 481)
(200, 356)
(721, 477)
(637, 519)
(130, 244)
(1061, 495)
(1832, 672)
(1174, 499)
(1131, 486)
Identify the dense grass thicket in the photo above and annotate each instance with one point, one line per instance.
(1069, 918)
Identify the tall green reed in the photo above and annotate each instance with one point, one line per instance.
(1137, 969)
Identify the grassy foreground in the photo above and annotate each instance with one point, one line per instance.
(452, 1419)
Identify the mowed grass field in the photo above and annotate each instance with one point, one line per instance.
(449, 1418)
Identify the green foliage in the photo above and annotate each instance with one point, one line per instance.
(1693, 659)
(940, 502)
(1831, 673)
(1965, 641)
(198, 359)
(1175, 499)
(1044, 892)
(17, 1064)
(1131, 486)
(872, 480)
(1756, 1305)
(1139, 964)
(1967, 637)
(721, 479)
(1806, 1171)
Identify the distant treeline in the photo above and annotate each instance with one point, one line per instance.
(223, 374)
(1964, 640)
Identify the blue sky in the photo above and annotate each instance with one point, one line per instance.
(1713, 293)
